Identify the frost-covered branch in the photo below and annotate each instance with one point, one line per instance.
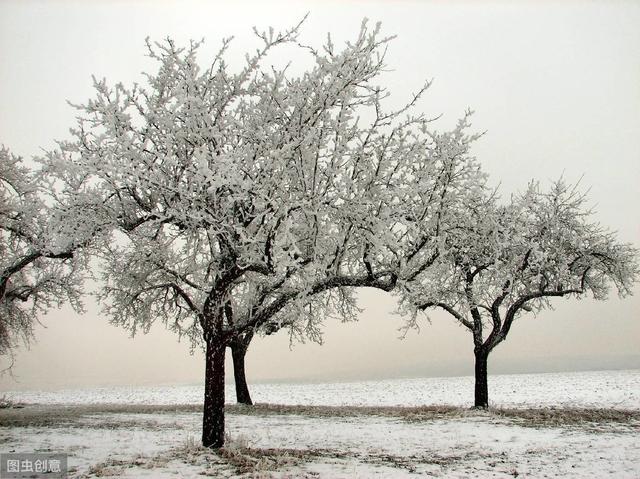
(43, 234)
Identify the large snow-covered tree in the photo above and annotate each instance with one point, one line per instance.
(260, 197)
(42, 235)
(504, 260)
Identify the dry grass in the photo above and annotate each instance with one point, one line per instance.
(78, 415)
(433, 412)
(240, 459)
(8, 403)
(524, 416)
(568, 416)
(237, 458)
(56, 415)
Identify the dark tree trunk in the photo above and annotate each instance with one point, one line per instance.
(238, 352)
(481, 387)
(213, 417)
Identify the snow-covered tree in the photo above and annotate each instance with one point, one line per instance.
(260, 198)
(41, 235)
(502, 261)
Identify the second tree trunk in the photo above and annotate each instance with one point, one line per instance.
(238, 352)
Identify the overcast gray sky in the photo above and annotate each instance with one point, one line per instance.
(556, 85)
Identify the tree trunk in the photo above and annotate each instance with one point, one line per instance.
(481, 387)
(238, 352)
(213, 417)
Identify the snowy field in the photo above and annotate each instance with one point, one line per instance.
(576, 425)
(592, 389)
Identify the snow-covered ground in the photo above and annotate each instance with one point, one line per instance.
(609, 389)
(461, 444)
(142, 441)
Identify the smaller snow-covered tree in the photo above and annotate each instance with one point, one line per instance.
(502, 261)
(41, 232)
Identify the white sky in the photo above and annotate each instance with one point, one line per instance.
(555, 84)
